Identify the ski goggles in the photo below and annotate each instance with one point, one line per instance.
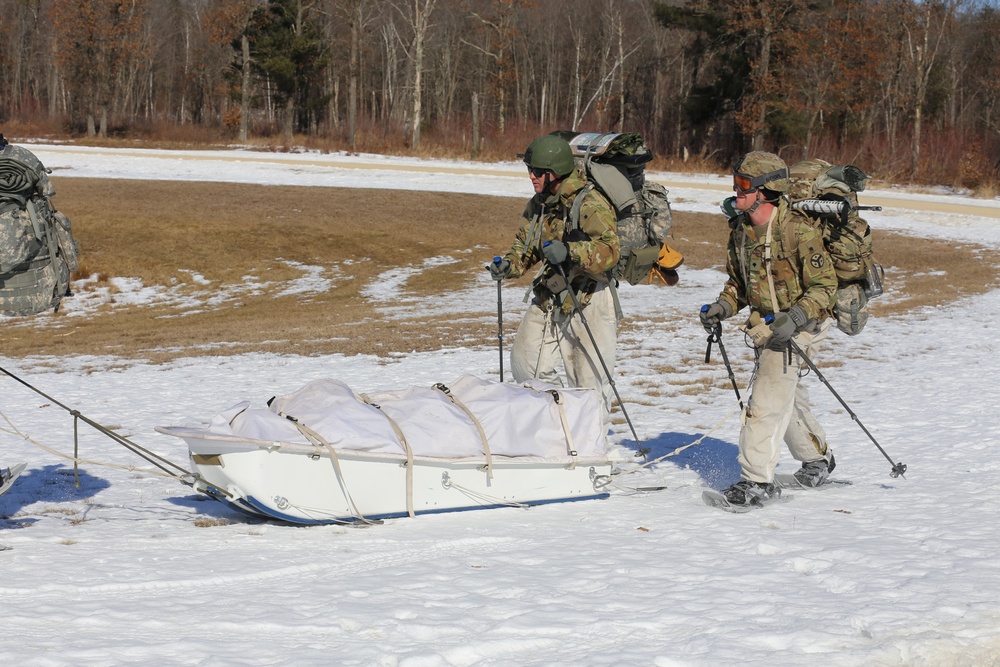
(744, 183)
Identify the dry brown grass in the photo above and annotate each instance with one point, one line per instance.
(168, 233)
(212, 522)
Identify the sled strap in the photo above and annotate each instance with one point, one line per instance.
(479, 427)
(316, 440)
(570, 449)
(406, 448)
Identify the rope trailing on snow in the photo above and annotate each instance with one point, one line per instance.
(185, 477)
(15, 431)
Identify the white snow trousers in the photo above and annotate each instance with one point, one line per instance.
(778, 411)
(546, 337)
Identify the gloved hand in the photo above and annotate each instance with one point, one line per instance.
(499, 269)
(713, 313)
(786, 325)
(556, 252)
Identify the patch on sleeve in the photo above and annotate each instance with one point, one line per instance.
(817, 261)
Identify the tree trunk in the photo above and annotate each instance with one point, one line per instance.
(245, 88)
(335, 102)
(352, 92)
(541, 107)
(289, 120)
(577, 92)
(761, 76)
(621, 76)
(53, 91)
(476, 147)
(419, 25)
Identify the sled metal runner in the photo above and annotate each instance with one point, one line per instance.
(300, 484)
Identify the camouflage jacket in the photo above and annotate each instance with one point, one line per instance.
(593, 247)
(802, 270)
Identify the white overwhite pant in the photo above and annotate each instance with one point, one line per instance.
(778, 411)
(547, 337)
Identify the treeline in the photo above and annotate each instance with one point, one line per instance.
(908, 88)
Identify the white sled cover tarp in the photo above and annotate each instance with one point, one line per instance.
(447, 421)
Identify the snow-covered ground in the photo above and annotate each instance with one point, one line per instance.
(132, 568)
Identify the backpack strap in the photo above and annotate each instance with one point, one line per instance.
(534, 230)
(574, 211)
(769, 259)
(36, 223)
(613, 285)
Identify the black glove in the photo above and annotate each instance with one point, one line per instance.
(786, 325)
(556, 252)
(499, 269)
(713, 313)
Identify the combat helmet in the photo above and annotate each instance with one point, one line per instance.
(760, 170)
(552, 153)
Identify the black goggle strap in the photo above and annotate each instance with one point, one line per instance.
(762, 180)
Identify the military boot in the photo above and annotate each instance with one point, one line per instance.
(814, 473)
(745, 492)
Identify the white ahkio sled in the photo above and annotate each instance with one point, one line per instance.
(326, 454)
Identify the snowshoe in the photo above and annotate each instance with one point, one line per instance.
(742, 496)
(8, 475)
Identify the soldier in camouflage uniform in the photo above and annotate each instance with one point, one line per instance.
(779, 267)
(585, 246)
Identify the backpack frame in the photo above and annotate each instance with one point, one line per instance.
(643, 214)
(827, 194)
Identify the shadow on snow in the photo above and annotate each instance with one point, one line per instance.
(210, 507)
(714, 460)
(51, 483)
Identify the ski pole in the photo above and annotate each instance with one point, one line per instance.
(496, 261)
(898, 469)
(716, 337)
(583, 318)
